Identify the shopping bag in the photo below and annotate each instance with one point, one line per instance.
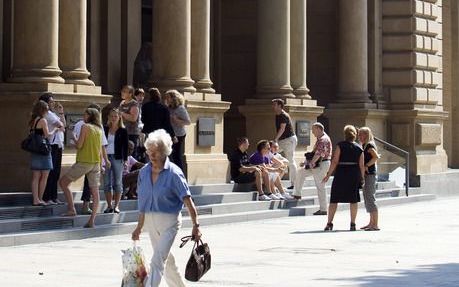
(134, 268)
(200, 260)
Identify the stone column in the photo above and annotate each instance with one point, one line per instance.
(200, 45)
(35, 57)
(353, 53)
(172, 49)
(72, 41)
(298, 48)
(273, 52)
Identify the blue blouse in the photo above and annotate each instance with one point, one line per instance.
(166, 195)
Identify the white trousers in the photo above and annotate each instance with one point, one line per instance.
(163, 228)
(318, 174)
(288, 146)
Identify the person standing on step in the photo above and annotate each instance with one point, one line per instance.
(317, 167)
(40, 164)
(162, 193)
(285, 136)
(129, 109)
(371, 156)
(88, 162)
(243, 172)
(86, 195)
(55, 118)
(349, 168)
(179, 119)
(117, 153)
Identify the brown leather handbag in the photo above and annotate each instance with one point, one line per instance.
(200, 260)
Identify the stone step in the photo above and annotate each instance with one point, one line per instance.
(386, 201)
(22, 238)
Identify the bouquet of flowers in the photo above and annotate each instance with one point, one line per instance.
(134, 268)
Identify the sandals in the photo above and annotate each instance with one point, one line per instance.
(328, 227)
(69, 214)
(371, 228)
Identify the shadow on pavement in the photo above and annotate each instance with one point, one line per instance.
(444, 275)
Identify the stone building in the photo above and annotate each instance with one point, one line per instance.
(391, 65)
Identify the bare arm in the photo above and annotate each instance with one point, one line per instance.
(280, 131)
(196, 233)
(333, 164)
(362, 166)
(82, 138)
(132, 115)
(43, 124)
(138, 229)
(374, 157)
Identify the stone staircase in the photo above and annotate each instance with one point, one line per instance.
(21, 223)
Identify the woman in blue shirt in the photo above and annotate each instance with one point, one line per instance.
(162, 191)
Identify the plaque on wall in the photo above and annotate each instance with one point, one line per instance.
(206, 131)
(303, 132)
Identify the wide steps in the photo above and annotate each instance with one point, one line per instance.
(22, 238)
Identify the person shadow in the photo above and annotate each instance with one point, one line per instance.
(444, 275)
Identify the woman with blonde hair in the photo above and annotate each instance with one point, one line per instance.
(117, 153)
(347, 163)
(179, 119)
(40, 164)
(369, 189)
(88, 162)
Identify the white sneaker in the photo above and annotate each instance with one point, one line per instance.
(280, 195)
(273, 196)
(287, 196)
(263, 197)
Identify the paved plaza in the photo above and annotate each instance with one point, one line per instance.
(417, 246)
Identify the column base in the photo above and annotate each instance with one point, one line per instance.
(205, 164)
(267, 92)
(204, 86)
(77, 77)
(302, 93)
(340, 117)
(46, 75)
(353, 97)
(183, 85)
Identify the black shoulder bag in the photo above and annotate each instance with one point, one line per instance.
(36, 143)
(200, 260)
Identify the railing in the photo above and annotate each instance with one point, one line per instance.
(393, 161)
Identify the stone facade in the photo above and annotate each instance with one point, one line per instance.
(391, 65)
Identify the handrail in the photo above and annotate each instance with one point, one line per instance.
(403, 153)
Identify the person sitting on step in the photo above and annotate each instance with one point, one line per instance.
(242, 171)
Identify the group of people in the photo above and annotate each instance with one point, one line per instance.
(352, 164)
(113, 148)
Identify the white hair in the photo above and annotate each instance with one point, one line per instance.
(161, 140)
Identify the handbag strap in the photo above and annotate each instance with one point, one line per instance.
(185, 240)
(36, 124)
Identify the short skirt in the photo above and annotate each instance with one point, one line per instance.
(41, 162)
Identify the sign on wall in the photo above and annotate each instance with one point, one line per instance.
(303, 132)
(206, 131)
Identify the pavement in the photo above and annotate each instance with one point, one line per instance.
(417, 246)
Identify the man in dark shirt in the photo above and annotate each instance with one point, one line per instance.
(285, 137)
(156, 116)
(242, 171)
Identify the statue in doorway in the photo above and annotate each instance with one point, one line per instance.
(143, 66)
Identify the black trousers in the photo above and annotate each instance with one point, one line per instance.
(86, 196)
(178, 149)
(54, 174)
